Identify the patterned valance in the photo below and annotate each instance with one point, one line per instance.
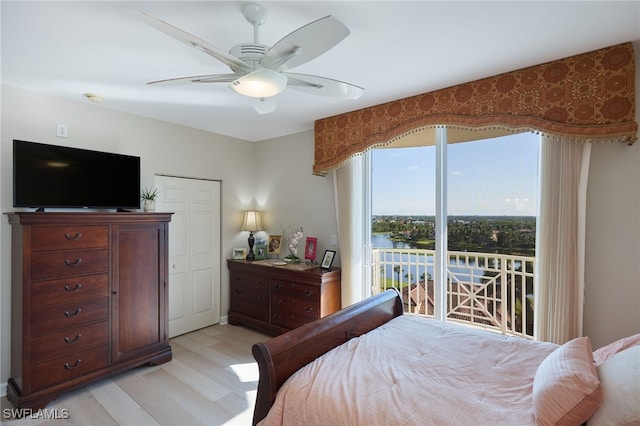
(585, 97)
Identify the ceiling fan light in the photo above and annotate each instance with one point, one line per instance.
(262, 83)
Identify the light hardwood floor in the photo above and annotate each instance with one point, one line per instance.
(211, 380)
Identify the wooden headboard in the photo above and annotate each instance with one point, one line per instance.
(280, 357)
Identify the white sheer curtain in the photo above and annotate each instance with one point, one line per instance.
(348, 184)
(560, 248)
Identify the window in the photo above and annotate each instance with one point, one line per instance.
(490, 211)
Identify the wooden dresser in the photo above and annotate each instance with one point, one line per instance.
(276, 298)
(89, 299)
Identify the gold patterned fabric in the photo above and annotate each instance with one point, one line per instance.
(585, 97)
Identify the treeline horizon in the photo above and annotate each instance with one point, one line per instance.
(432, 216)
(487, 234)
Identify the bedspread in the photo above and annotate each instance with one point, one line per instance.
(415, 371)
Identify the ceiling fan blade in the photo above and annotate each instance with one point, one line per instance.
(323, 86)
(213, 78)
(193, 41)
(305, 43)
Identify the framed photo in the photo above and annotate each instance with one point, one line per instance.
(261, 251)
(327, 259)
(310, 248)
(239, 253)
(275, 242)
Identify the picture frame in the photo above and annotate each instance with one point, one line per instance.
(261, 251)
(310, 248)
(275, 244)
(327, 259)
(239, 253)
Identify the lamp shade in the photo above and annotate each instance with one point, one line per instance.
(261, 83)
(252, 222)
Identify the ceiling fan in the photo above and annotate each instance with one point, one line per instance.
(259, 71)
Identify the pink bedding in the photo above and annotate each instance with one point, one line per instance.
(415, 371)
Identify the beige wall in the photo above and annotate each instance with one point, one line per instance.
(290, 195)
(612, 276)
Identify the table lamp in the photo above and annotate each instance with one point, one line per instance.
(252, 224)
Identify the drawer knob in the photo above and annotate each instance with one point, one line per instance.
(71, 315)
(73, 237)
(278, 301)
(278, 286)
(308, 309)
(77, 287)
(308, 293)
(75, 339)
(71, 367)
(70, 263)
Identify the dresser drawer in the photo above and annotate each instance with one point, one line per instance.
(249, 281)
(250, 294)
(72, 340)
(311, 294)
(68, 367)
(58, 317)
(48, 238)
(68, 290)
(70, 263)
(258, 310)
(309, 308)
(289, 319)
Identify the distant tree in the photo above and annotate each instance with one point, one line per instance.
(408, 277)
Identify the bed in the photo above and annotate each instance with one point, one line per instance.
(370, 364)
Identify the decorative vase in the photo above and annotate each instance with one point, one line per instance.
(292, 258)
(149, 206)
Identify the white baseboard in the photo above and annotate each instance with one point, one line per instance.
(224, 320)
(3, 389)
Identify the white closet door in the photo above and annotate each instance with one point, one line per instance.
(194, 251)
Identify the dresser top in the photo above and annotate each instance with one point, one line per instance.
(282, 265)
(50, 218)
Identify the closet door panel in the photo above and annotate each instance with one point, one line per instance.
(194, 251)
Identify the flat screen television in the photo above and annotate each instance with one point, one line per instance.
(52, 176)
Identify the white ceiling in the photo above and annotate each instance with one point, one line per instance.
(395, 50)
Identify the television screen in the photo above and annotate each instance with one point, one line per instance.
(59, 176)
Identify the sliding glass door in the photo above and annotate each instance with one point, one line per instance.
(453, 226)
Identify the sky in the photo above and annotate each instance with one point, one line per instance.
(490, 177)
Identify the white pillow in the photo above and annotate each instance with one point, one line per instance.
(620, 378)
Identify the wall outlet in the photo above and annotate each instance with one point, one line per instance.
(334, 240)
(61, 131)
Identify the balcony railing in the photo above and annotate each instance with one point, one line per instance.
(491, 291)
